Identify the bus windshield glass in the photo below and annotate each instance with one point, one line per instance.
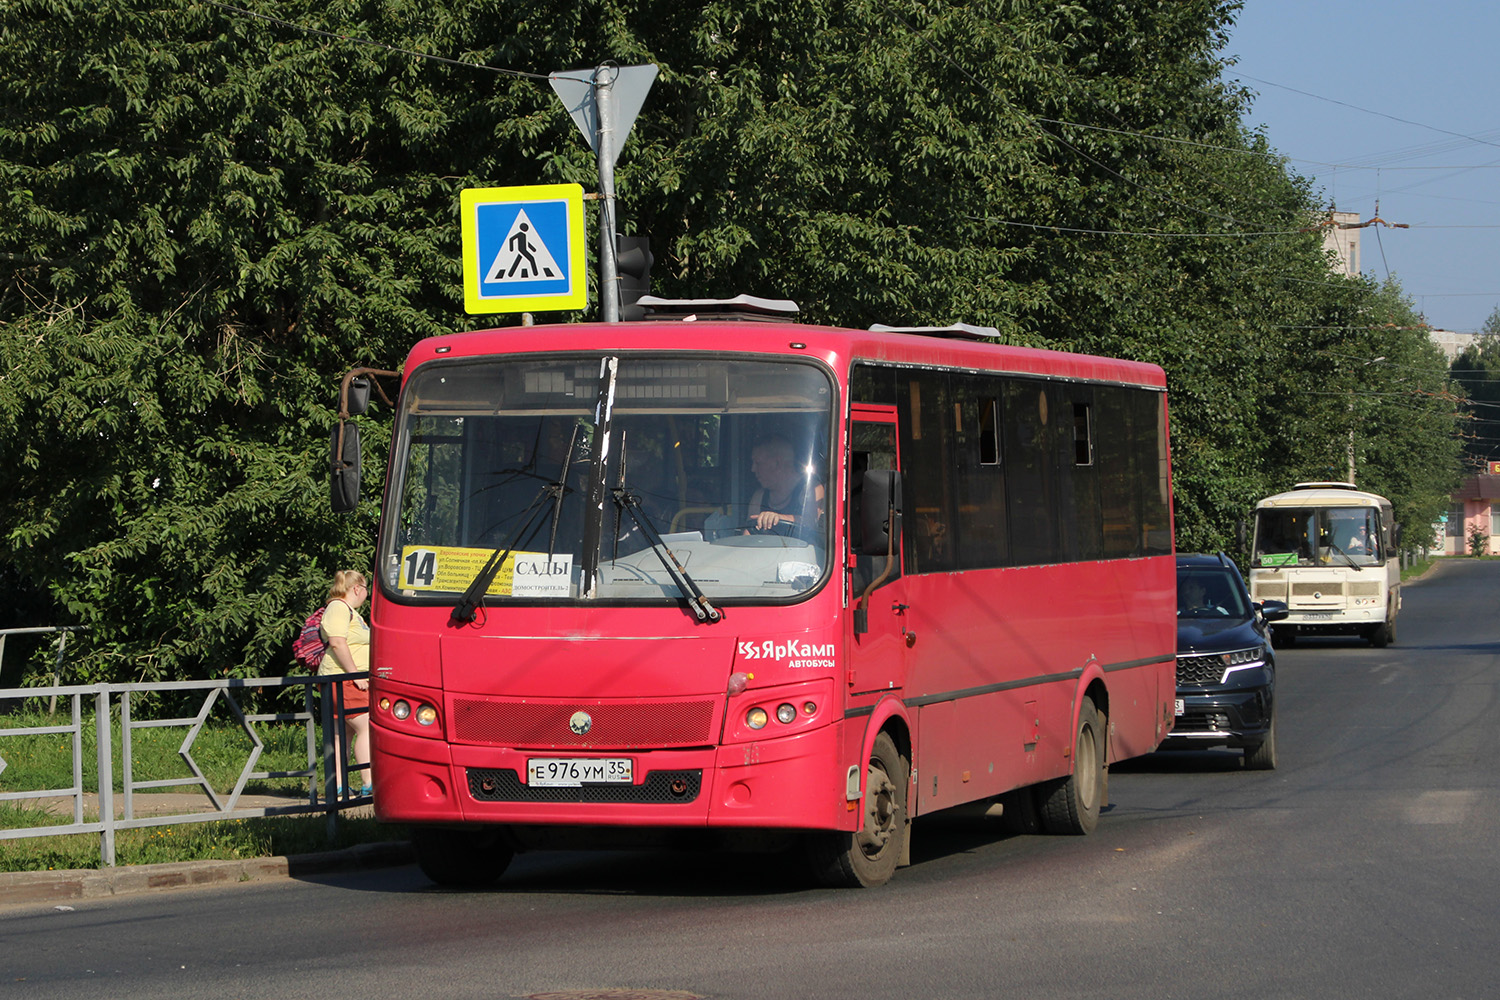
(1318, 536)
(635, 479)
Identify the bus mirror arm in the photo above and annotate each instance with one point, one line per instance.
(354, 391)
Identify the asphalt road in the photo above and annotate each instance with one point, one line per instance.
(1363, 867)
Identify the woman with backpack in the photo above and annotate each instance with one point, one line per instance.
(348, 639)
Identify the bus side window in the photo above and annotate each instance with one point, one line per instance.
(874, 447)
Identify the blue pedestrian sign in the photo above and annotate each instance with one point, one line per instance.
(523, 248)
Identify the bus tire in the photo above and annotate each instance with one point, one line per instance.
(868, 857)
(1071, 806)
(1262, 757)
(469, 857)
(1384, 634)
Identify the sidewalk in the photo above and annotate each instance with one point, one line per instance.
(92, 883)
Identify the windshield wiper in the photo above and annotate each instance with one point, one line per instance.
(1347, 557)
(631, 504)
(469, 602)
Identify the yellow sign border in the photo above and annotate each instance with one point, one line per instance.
(469, 201)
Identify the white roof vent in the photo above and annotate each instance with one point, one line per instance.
(741, 307)
(957, 331)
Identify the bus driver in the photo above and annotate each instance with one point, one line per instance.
(783, 505)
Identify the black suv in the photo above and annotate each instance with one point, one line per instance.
(1226, 669)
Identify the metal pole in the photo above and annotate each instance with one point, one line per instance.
(106, 776)
(604, 104)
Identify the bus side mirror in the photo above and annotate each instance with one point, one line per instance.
(358, 400)
(880, 511)
(343, 468)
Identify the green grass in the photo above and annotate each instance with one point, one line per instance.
(45, 762)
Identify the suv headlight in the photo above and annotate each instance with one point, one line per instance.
(1242, 659)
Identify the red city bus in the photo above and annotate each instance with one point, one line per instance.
(762, 584)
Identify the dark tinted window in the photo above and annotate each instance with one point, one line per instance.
(1211, 592)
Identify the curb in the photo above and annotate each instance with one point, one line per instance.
(94, 883)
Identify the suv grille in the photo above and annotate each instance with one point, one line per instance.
(1199, 670)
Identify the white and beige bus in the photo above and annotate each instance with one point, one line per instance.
(1329, 551)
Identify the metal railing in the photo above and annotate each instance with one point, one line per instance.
(320, 718)
(63, 632)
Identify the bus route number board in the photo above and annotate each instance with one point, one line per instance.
(572, 772)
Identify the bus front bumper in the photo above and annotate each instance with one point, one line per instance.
(792, 783)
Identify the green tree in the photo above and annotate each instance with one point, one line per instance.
(1476, 370)
(212, 214)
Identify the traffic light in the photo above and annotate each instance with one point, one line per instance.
(633, 262)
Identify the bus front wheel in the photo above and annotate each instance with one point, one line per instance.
(869, 856)
(1072, 805)
(464, 857)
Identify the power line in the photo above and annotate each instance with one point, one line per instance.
(1378, 114)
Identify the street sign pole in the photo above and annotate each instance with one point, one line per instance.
(604, 102)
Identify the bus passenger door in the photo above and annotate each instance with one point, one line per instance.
(878, 644)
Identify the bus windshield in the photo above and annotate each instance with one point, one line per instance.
(610, 478)
(1318, 536)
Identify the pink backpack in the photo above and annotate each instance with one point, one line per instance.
(308, 648)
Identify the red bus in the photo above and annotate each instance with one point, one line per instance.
(761, 584)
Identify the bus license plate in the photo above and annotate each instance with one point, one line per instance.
(1179, 707)
(1318, 616)
(570, 772)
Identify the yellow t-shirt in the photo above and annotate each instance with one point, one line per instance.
(340, 620)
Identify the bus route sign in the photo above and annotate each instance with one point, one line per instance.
(523, 248)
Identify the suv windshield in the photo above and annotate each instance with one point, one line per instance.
(1211, 592)
(601, 478)
(1318, 536)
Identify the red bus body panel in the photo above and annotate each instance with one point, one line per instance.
(984, 684)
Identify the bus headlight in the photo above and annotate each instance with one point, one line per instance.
(785, 714)
(426, 715)
(756, 718)
(401, 709)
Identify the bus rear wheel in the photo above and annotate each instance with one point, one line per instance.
(470, 858)
(868, 857)
(1071, 805)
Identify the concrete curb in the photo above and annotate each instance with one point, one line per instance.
(93, 883)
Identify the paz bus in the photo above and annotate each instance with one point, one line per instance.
(1329, 550)
(721, 579)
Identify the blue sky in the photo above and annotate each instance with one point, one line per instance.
(1387, 101)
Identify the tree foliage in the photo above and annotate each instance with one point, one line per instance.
(214, 211)
(1476, 371)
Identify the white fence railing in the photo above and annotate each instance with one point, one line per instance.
(320, 717)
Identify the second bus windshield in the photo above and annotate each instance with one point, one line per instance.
(1317, 536)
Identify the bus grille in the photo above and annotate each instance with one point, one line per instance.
(612, 726)
(665, 787)
(1322, 588)
(1371, 589)
(1271, 591)
(1199, 670)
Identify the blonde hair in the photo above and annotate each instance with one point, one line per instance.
(344, 581)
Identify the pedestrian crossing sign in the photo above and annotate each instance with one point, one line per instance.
(523, 248)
